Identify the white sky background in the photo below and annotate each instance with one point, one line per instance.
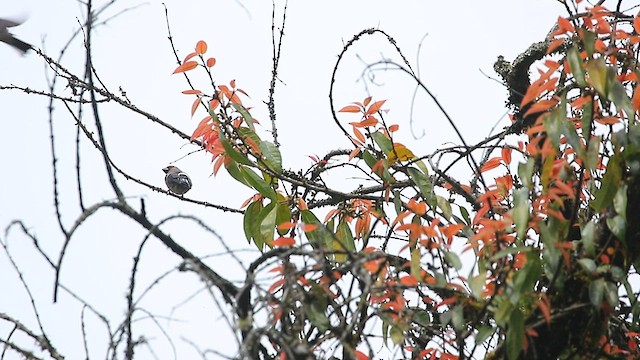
(132, 51)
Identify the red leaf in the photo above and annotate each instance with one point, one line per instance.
(201, 47)
(409, 280)
(554, 45)
(189, 65)
(565, 25)
(491, 164)
(359, 135)
(194, 106)
(361, 356)
(189, 56)
(506, 155)
(211, 61)
(375, 107)
(284, 241)
(276, 285)
(350, 109)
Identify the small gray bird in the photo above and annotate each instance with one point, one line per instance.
(6, 37)
(177, 181)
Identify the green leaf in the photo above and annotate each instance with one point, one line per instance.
(465, 215)
(383, 142)
(452, 259)
(319, 238)
(397, 335)
(477, 284)
(611, 293)
(424, 185)
(249, 220)
(553, 124)
(596, 292)
(508, 251)
(618, 227)
(272, 156)
(525, 172)
(234, 171)
(457, 318)
(483, 333)
(283, 215)
(570, 132)
(515, 334)
(610, 183)
(618, 94)
(416, 257)
(421, 318)
(588, 264)
(397, 202)
(589, 41)
(258, 183)
(245, 115)
(593, 153)
(344, 241)
(521, 213)
(575, 61)
(620, 202)
(445, 207)
(587, 114)
(526, 278)
(317, 307)
(267, 220)
(229, 150)
(598, 75)
(588, 234)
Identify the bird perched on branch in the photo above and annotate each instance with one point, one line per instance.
(6, 37)
(177, 181)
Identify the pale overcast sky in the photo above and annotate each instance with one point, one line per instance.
(458, 39)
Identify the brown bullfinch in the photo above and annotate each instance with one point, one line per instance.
(177, 181)
(6, 37)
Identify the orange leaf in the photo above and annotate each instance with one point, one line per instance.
(451, 230)
(218, 164)
(491, 164)
(636, 98)
(394, 127)
(506, 155)
(350, 109)
(191, 92)
(366, 101)
(354, 153)
(359, 135)
(189, 65)
(201, 47)
(540, 106)
(211, 61)
(276, 285)
(361, 356)
(565, 25)
(370, 121)
(554, 45)
(203, 127)
(544, 308)
(194, 106)
(409, 280)
(375, 107)
(636, 24)
(286, 225)
(189, 56)
(309, 227)
(608, 120)
(284, 241)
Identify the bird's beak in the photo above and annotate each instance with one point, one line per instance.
(166, 170)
